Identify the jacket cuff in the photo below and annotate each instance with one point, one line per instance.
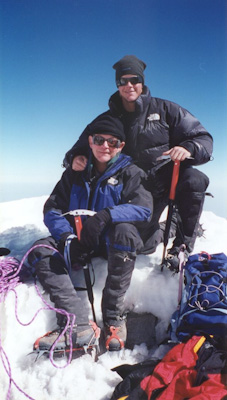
(64, 237)
(105, 215)
(188, 146)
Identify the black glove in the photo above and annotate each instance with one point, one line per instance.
(78, 253)
(93, 228)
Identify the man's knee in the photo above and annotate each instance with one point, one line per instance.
(192, 180)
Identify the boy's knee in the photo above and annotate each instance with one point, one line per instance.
(125, 236)
(40, 249)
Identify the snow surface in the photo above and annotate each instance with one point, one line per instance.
(151, 290)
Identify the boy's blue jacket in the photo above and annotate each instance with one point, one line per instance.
(119, 189)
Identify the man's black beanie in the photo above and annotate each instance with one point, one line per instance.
(129, 65)
(106, 124)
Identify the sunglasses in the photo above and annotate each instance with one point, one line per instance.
(133, 80)
(99, 140)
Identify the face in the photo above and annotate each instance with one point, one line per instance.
(104, 153)
(130, 92)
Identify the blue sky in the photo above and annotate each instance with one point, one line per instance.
(56, 76)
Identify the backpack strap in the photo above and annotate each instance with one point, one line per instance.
(199, 344)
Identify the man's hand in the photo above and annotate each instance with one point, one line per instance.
(79, 163)
(177, 153)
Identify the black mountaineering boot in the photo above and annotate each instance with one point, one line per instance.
(190, 211)
(172, 261)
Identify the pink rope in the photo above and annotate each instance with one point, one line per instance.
(11, 380)
(9, 280)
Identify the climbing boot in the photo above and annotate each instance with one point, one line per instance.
(82, 337)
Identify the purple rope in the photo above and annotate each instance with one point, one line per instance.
(11, 380)
(8, 276)
(9, 280)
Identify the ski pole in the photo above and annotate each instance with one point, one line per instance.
(181, 257)
(172, 194)
(87, 276)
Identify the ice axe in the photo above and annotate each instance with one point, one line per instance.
(78, 224)
(171, 205)
(86, 270)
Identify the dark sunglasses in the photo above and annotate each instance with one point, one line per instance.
(133, 80)
(99, 140)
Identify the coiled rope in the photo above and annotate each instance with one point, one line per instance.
(9, 279)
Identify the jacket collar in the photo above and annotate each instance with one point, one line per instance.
(116, 107)
(120, 161)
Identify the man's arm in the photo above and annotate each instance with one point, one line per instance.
(136, 202)
(80, 148)
(187, 133)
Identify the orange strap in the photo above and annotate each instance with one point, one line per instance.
(114, 330)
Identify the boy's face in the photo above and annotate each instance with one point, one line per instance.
(105, 152)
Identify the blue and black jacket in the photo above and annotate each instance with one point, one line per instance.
(119, 189)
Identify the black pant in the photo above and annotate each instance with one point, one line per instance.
(190, 194)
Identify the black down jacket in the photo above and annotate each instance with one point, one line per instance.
(156, 126)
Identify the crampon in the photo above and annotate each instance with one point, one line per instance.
(56, 345)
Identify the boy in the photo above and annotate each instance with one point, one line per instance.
(112, 187)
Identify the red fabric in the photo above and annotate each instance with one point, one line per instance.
(176, 372)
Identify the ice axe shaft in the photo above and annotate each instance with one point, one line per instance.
(171, 204)
(87, 277)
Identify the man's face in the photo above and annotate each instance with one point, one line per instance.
(130, 92)
(104, 152)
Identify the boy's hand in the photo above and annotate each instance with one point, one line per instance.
(93, 228)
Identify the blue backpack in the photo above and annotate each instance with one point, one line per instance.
(203, 305)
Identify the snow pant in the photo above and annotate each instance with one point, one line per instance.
(53, 275)
(189, 200)
(123, 242)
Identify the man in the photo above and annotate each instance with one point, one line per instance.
(111, 186)
(155, 129)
